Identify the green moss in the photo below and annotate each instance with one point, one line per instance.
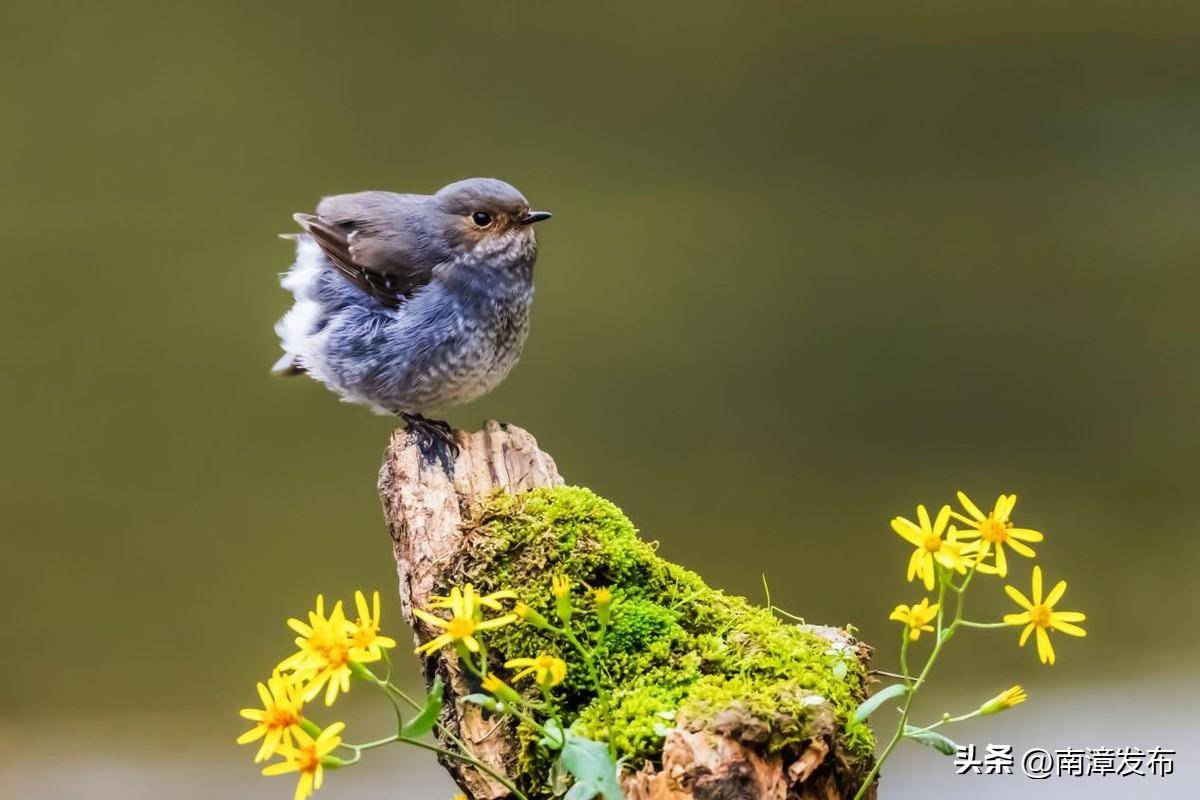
(676, 647)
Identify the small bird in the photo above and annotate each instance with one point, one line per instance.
(410, 303)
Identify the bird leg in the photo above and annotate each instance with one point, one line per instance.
(434, 438)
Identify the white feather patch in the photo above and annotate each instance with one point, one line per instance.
(296, 326)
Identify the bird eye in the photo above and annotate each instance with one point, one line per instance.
(482, 218)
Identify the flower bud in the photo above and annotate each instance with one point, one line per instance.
(603, 600)
(1006, 699)
(531, 616)
(500, 690)
(560, 586)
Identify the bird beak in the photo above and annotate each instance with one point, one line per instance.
(534, 216)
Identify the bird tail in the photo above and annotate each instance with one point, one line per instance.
(288, 364)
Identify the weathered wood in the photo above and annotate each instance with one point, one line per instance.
(425, 511)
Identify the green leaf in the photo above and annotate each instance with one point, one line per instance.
(482, 700)
(591, 766)
(872, 703)
(932, 739)
(427, 717)
(554, 738)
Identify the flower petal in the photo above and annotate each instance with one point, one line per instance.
(943, 517)
(1068, 616)
(1067, 628)
(1017, 619)
(1025, 534)
(299, 627)
(1025, 634)
(914, 563)
(425, 616)
(496, 622)
(910, 532)
(1001, 561)
(1021, 547)
(1056, 593)
(970, 507)
(1004, 506)
(1045, 649)
(973, 530)
(436, 643)
(1017, 597)
(330, 732)
(252, 734)
(280, 768)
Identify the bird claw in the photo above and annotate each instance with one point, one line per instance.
(435, 440)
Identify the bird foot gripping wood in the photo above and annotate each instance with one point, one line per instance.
(430, 516)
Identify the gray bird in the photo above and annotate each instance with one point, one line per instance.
(409, 303)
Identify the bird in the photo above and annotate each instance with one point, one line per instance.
(410, 304)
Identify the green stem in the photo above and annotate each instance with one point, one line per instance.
(966, 623)
(403, 695)
(904, 656)
(588, 662)
(395, 737)
(943, 579)
(946, 721)
(465, 755)
(943, 636)
(468, 759)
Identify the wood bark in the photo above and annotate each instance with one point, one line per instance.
(425, 510)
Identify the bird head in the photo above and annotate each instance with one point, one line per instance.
(487, 213)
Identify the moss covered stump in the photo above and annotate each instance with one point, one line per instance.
(710, 696)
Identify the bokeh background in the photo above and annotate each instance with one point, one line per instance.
(810, 264)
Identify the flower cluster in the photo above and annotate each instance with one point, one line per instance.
(330, 649)
(465, 620)
(947, 557)
(980, 546)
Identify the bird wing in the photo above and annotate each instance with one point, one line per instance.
(364, 237)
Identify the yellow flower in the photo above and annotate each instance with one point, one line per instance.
(917, 617)
(365, 642)
(499, 689)
(308, 757)
(1040, 616)
(995, 530)
(547, 670)
(560, 587)
(466, 619)
(277, 719)
(324, 655)
(491, 601)
(931, 547)
(1006, 699)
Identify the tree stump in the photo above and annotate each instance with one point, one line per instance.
(431, 518)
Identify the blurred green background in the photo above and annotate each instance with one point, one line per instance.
(810, 264)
